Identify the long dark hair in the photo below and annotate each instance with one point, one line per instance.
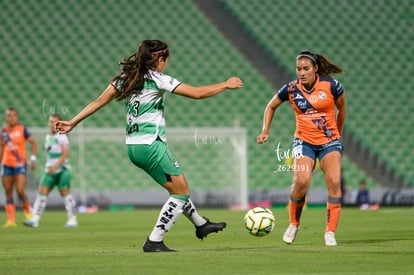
(136, 66)
(325, 66)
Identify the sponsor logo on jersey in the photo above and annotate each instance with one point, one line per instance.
(313, 99)
(298, 96)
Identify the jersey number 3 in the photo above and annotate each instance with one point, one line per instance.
(133, 110)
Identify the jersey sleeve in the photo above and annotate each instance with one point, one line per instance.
(63, 141)
(168, 83)
(118, 83)
(283, 94)
(337, 89)
(26, 132)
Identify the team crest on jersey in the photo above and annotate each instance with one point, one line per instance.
(322, 95)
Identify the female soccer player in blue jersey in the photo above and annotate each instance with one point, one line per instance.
(14, 164)
(143, 86)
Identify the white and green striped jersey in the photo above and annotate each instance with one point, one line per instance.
(145, 109)
(54, 145)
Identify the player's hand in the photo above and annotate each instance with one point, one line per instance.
(234, 83)
(63, 127)
(263, 137)
(51, 170)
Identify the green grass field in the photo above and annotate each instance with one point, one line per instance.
(369, 242)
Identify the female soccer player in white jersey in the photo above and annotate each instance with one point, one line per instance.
(57, 173)
(143, 85)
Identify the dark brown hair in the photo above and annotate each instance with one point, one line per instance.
(136, 66)
(325, 66)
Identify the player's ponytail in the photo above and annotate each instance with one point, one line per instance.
(325, 66)
(136, 66)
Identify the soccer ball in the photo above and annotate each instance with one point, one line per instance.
(259, 221)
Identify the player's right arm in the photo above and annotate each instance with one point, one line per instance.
(269, 112)
(106, 97)
(62, 158)
(201, 92)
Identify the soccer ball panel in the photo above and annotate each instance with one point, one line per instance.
(259, 221)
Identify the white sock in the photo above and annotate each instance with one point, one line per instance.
(169, 213)
(70, 206)
(39, 207)
(191, 213)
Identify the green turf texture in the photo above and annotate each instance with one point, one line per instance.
(110, 242)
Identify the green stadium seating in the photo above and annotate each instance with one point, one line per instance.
(371, 40)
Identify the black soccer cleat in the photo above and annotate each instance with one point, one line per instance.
(209, 227)
(150, 246)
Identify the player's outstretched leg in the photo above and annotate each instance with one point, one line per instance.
(38, 208)
(169, 213)
(202, 224)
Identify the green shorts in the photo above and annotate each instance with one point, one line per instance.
(61, 180)
(155, 159)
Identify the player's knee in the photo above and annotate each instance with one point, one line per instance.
(334, 187)
(333, 182)
(301, 181)
(177, 186)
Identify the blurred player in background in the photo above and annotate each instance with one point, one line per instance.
(57, 173)
(14, 163)
(143, 86)
(319, 104)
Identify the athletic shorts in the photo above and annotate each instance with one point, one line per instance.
(302, 148)
(155, 159)
(13, 170)
(61, 180)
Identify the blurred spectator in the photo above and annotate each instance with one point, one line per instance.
(362, 198)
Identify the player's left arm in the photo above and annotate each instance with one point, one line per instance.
(341, 112)
(106, 96)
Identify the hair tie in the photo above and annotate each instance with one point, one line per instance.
(161, 51)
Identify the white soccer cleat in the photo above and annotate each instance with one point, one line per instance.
(290, 234)
(330, 239)
(31, 223)
(72, 222)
